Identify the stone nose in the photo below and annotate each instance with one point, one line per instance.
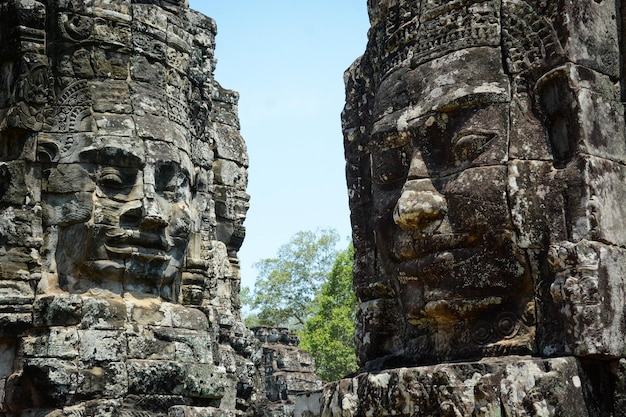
(420, 207)
(153, 214)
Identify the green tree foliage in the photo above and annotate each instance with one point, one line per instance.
(329, 334)
(287, 284)
(308, 287)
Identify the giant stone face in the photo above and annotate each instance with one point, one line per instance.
(484, 190)
(122, 197)
(140, 224)
(441, 218)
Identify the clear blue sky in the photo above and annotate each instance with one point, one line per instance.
(286, 58)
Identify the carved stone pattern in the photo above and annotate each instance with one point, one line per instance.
(485, 162)
(118, 277)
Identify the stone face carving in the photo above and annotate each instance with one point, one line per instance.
(122, 198)
(138, 239)
(485, 163)
(485, 152)
(486, 157)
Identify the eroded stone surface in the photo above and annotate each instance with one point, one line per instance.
(484, 142)
(288, 371)
(122, 199)
(481, 137)
(513, 386)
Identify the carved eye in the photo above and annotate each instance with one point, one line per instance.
(466, 146)
(117, 181)
(111, 178)
(388, 174)
(172, 182)
(390, 168)
(166, 177)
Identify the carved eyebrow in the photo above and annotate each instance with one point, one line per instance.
(112, 155)
(388, 140)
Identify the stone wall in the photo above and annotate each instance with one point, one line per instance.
(511, 386)
(122, 199)
(288, 371)
(486, 159)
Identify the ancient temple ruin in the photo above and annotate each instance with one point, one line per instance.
(123, 182)
(122, 200)
(486, 168)
(486, 155)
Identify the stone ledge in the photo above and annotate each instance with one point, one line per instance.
(510, 386)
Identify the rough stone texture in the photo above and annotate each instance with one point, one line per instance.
(486, 159)
(513, 386)
(289, 372)
(122, 200)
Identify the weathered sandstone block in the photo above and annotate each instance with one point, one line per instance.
(122, 199)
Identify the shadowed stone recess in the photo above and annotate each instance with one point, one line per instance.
(486, 166)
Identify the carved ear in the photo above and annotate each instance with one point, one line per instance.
(558, 103)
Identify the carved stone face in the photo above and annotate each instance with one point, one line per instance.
(441, 216)
(139, 229)
(484, 148)
(122, 196)
(442, 221)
